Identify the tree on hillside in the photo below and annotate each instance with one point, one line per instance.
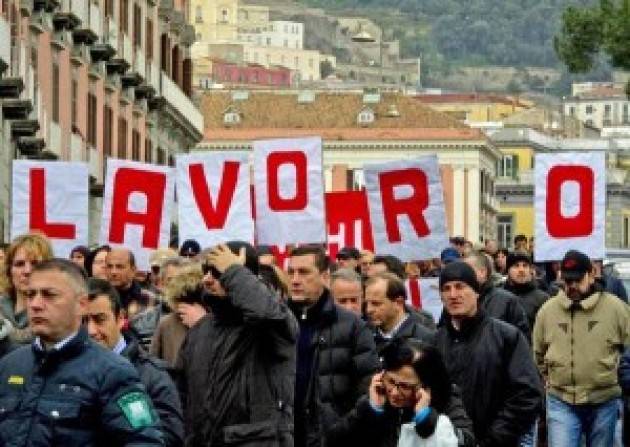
(591, 31)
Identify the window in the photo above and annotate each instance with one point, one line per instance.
(91, 110)
(589, 110)
(626, 232)
(149, 44)
(625, 116)
(109, 8)
(135, 145)
(268, 41)
(508, 166)
(55, 89)
(148, 151)
(572, 111)
(124, 16)
(366, 116)
(122, 138)
(607, 109)
(161, 157)
(286, 43)
(225, 15)
(589, 122)
(137, 26)
(504, 230)
(74, 93)
(198, 15)
(108, 123)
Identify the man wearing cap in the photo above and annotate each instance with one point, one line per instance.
(348, 258)
(578, 338)
(522, 283)
(190, 248)
(489, 360)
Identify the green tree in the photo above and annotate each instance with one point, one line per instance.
(588, 32)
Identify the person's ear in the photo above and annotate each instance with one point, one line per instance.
(83, 304)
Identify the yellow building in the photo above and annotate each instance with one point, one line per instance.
(475, 108)
(215, 20)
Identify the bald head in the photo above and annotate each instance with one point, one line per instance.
(122, 268)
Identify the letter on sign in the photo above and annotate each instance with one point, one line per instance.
(136, 207)
(570, 204)
(41, 192)
(407, 208)
(289, 191)
(214, 198)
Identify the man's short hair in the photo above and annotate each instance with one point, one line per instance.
(519, 237)
(392, 264)
(481, 261)
(395, 287)
(345, 274)
(99, 287)
(321, 260)
(73, 272)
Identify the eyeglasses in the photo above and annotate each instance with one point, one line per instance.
(403, 387)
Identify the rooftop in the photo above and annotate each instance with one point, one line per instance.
(473, 98)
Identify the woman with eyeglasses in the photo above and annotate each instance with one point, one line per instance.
(408, 403)
(24, 252)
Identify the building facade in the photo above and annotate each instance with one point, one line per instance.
(599, 105)
(84, 80)
(515, 181)
(208, 73)
(361, 128)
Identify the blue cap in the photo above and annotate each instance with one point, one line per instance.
(449, 255)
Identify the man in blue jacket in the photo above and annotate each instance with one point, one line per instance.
(64, 389)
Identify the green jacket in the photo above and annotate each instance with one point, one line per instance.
(577, 346)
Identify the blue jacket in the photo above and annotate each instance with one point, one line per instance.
(624, 372)
(79, 395)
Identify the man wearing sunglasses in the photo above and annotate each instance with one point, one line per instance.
(579, 336)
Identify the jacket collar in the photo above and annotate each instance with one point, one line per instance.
(132, 350)
(520, 289)
(467, 327)
(73, 348)
(322, 312)
(587, 303)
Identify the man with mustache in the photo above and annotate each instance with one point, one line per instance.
(578, 338)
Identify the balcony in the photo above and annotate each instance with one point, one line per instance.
(185, 111)
(90, 28)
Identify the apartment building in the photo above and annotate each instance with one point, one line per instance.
(84, 80)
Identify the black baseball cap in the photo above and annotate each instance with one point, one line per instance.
(574, 266)
(348, 253)
(190, 248)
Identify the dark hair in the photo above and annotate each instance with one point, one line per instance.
(427, 363)
(89, 259)
(267, 274)
(504, 251)
(75, 274)
(520, 237)
(98, 287)
(392, 264)
(321, 260)
(395, 287)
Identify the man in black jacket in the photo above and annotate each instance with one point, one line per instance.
(522, 283)
(336, 354)
(385, 299)
(495, 301)
(236, 366)
(104, 322)
(489, 360)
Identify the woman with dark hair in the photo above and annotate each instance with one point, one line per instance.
(96, 262)
(409, 403)
(500, 261)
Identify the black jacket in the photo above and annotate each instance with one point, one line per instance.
(237, 368)
(368, 428)
(505, 306)
(161, 389)
(80, 395)
(531, 298)
(492, 364)
(344, 359)
(409, 328)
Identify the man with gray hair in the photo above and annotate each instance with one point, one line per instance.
(65, 389)
(346, 289)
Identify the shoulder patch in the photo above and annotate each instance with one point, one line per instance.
(16, 380)
(137, 410)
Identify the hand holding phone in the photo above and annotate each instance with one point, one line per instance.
(377, 390)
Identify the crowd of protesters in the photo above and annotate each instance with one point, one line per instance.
(222, 346)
